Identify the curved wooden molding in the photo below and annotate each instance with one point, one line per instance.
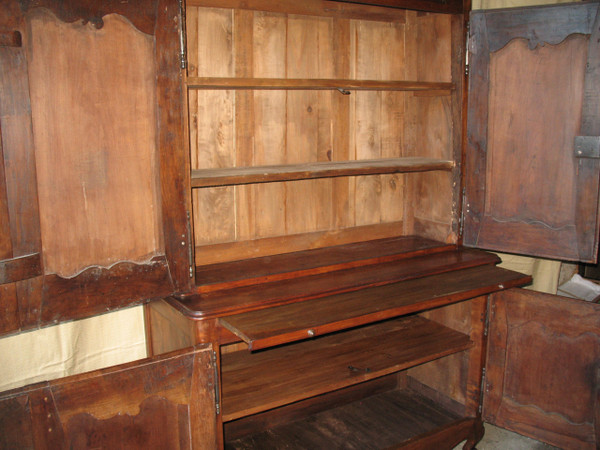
(142, 16)
(532, 24)
(97, 290)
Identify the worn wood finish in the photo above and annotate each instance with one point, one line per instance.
(93, 12)
(85, 194)
(308, 7)
(20, 268)
(98, 290)
(20, 222)
(329, 363)
(430, 129)
(588, 183)
(164, 402)
(173, 154)
(98, 172)
(381, 421)
(166, 330)
(10, 39)
(252, 297)
(506, 197)
(438, 88)
(300, 320)
(235, 251)
(540, 372)
(260, 422)
(269, 174)
(234, 133)
(311, 262)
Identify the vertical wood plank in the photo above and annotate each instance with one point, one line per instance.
(20, 232)
(342, 207)
(309, 52)
(270, 134)
(379, 119)
(213, 113)
(433, 127)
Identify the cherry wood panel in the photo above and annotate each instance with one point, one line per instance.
(252, 297)
(267, 174)
(332, 362)
(165, 402)
(301, 320)
(542, 356)
(513, 201)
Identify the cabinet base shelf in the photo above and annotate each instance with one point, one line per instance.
(397, 418)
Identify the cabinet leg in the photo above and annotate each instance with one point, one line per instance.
(476, 436)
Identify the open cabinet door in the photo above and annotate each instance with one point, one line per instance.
(163, 402)
(542, 368)
(533, 125)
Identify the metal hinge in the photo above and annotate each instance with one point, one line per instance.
(486, 326)
(482, 392)
(462, 212)
(216, 383)
(190, 246)
(467, 42)
(182, 35)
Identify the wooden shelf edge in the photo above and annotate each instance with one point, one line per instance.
(292, 172)
(428, 341)
(343, 85)
(269, 327)
(309, 262)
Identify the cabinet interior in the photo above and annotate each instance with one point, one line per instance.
(305, 131)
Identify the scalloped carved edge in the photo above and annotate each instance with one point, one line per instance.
(141, 13)
(98, 290)
(531, 24)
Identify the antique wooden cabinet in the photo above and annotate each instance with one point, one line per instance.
(299, 183)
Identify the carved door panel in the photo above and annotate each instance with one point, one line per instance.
(163, 402)
(92, 191)
(528, 190)
(542, 376)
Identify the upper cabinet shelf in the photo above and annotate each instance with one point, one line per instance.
(289, 172)
(443, 88)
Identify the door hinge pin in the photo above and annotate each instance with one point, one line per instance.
(482, 392)
(182, 34)
(190, 245)
(216, 383)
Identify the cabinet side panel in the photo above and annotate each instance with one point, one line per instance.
(94, 120)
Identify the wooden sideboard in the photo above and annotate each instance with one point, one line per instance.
(306, 188)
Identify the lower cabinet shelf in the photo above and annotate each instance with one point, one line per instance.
(388, 419)
(256, 382)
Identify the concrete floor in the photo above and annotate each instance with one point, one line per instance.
(500, 439)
